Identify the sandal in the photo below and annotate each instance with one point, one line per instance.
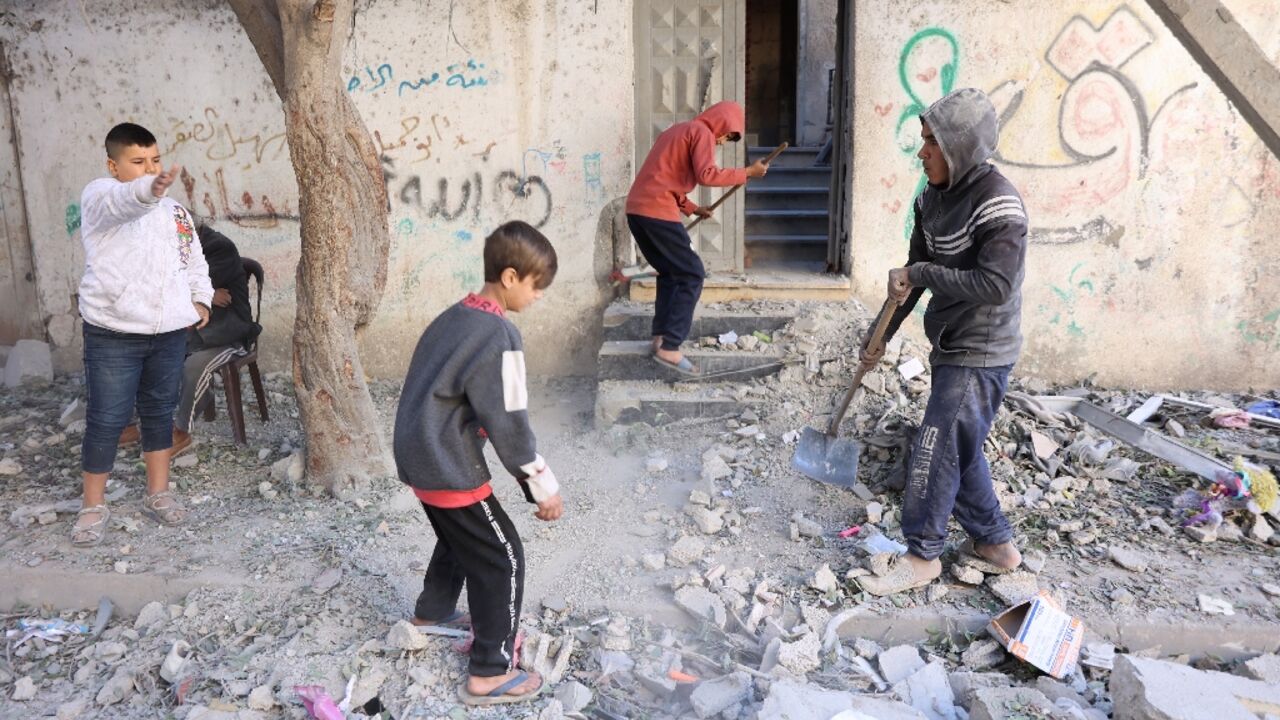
(91, 534)
(684, 367)
(164, 508)
(501, 695)
(456, 619)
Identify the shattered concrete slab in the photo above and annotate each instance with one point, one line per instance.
(928, 691)
(1008, 704)
(792, 700)
(713, 697)
(1265, 668)
(900, 662)
(965, 685)
(1145, 689)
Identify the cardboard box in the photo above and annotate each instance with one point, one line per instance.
(1038, 631)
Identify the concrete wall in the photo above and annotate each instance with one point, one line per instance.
(1153, 206)
(817, 55)
(484, 111)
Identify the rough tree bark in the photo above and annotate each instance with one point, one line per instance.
(342, 199)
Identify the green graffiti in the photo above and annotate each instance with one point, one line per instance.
(947, 75)
(468, 278)
(1067, 296)
(73, 218)
(1267, 331)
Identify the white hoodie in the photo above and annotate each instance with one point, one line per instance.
(143, 264)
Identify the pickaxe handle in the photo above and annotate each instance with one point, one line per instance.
(776, 152)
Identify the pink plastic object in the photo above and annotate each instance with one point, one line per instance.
(318, 703)
(850, 531)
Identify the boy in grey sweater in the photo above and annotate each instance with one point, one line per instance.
(466, 385)
(969, 248)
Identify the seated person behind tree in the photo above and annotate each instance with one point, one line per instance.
(230, 332)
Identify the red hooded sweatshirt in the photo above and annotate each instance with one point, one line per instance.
(682, 158)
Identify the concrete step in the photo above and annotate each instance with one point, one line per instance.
(807, 284)
(634, 322)
(791, 157)
(784, 198)
(794, 177)
(623, 402)
(800, 248)
(786, 222)
(632, 360)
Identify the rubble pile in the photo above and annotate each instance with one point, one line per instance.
(696, 575)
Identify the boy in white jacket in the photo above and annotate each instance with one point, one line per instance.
(145, 282)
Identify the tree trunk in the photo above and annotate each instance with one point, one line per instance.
(342, 199)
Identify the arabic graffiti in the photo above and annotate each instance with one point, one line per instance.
(221, 141)
(462, 75)
(249, 210)
(513, 195)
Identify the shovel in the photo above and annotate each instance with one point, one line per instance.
(824, 456)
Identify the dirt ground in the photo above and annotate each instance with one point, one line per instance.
(272, 586)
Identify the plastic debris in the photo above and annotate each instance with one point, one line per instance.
(52, 631)
(728, 338)
(318, 703)
(911, 369)
(850, 532)
(1230, 418)
(877, 544)
(1265, 408)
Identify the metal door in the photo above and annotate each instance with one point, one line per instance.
(689, 55)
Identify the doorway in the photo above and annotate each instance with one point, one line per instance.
(772, 39)
(786, 216)
(777, 58)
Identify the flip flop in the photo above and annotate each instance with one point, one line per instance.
(456, 619)
(499, 695)
(684, 367)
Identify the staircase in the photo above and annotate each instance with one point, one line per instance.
(786, 211)
(632, 388)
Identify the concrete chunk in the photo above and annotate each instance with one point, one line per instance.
(899, 663)
(791, 700)
(1145, 689)
(929, 691)
(28, 362)
(1008, 704)
(713, 697)
(1265, 668)
(965, 685)
(1014, 587)
(702, 604)
(885, 709)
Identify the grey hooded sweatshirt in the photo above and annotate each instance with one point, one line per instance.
(970, 243)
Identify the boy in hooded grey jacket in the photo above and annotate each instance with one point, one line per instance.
(968, 248)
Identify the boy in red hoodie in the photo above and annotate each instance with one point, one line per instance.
(682, 158)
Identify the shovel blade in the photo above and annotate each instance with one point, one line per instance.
(827, 459)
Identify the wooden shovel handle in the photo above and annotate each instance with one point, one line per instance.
(886, 314)
(776, 152)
